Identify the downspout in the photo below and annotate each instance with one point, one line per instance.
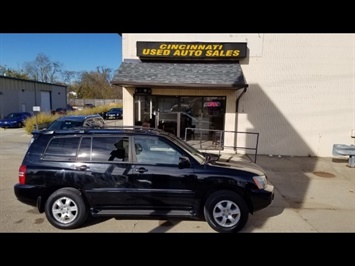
(238, 99)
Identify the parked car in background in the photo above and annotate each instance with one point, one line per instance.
(14, 120)
(89, 105)
(136, 172)
(114, 113)
(72, 121)
(63, 111)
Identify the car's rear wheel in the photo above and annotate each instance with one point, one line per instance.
(226, 212)
(66, 209)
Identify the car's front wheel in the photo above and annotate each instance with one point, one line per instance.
(66, 209)
(226, 212)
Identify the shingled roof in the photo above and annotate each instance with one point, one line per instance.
(154, 74)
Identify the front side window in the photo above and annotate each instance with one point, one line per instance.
(154, 150)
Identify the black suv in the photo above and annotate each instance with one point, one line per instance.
(136, 172)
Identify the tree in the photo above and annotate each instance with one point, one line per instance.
(80, 85)
(70, 76)
(96, 85)
(43, 69)
(8, 72)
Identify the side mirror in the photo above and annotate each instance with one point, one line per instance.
(211, 156)
(184, 162)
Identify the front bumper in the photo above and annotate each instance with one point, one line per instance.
(262, 198)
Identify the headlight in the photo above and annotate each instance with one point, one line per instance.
(260, 181)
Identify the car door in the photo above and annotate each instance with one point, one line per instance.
(158, 183)
(105, 162)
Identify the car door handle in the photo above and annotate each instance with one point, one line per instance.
(82, 167)
(141, 170)
(144, 181)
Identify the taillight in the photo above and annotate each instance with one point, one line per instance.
(22, 174)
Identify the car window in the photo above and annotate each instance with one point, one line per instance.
(70, 124)
(105, 148)
(84, 153)
(99, 121)
(12, 115)
(94, 122)
(154, 150)
(63, 149)
(198, 156)
(89, 122)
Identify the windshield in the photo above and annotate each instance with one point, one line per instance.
(115, 110)
(64, 124)
(12, 115)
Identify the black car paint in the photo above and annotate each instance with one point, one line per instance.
(152, 185)
(110, 188)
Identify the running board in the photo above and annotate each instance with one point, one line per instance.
(167, 213)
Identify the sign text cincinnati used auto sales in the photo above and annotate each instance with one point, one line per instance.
(191, 50)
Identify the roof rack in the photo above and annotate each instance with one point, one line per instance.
(86, 129)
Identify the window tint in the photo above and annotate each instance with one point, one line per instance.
(89, 122)
(94, 122)
(153, 150)
(70, 124)
(99, 121)
(62, 149)
(84, 153)
(110, 149)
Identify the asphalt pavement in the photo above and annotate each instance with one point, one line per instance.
(311, 195)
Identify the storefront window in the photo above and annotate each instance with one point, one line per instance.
(176, 114)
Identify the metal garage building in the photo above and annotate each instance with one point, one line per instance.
(20, 95)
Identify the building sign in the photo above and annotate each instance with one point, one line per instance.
(191, 51)
(212, 104)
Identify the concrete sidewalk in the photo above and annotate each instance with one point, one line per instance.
(311, 195)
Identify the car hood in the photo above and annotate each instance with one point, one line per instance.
(242, 165)
(113, 112)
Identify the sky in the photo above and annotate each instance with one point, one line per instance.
(75, 51)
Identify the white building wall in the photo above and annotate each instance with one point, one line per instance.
(301, 94)
(128, 103)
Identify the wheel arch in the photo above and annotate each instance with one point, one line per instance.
(209, 191)
(41, 200)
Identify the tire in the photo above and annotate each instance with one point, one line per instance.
(66, 209)
(226, 212)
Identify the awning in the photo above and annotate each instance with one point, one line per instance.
(152, 74)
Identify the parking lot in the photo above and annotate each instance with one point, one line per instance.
(311, 195)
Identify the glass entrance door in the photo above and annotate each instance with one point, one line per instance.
(176, 114)
(144, 110)
(181, 114)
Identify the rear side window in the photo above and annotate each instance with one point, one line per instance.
(89, 122)
(62, 149)
(104, 148)
(94, 122)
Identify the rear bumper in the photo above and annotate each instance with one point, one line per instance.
(27, 194)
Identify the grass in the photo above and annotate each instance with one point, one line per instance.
(44, 119)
